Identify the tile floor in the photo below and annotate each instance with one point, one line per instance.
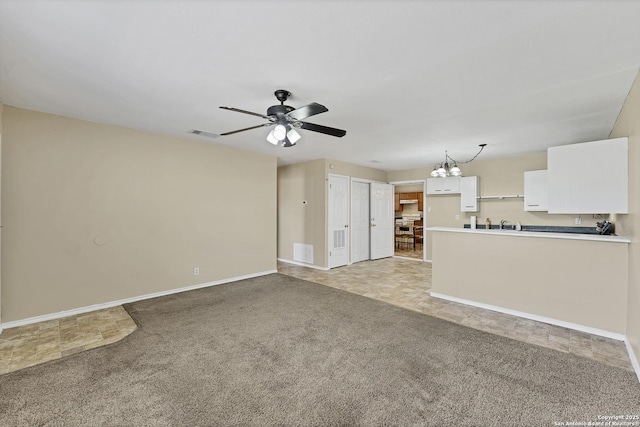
(406, 283)
(408, 252)
(398, 281)
(37, 343)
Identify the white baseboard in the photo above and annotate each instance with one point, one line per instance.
(89, 308)
(634, 359)
(409, 258)
(551, 321)
(302, 264)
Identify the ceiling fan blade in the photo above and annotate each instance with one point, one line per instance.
(307, 111)
(242, 130)
(237, 110)
(323, 129)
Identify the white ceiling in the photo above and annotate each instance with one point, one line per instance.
(406, 79)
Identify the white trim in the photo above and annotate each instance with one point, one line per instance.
(633, 358)
(575, 326)
(409, 258)
(368, 181)
(424, 208)
(86, 309)
(302, 264)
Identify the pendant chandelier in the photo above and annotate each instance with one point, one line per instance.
(449, 167)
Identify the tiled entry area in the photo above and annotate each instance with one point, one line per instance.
(30, 345)
(406, 283)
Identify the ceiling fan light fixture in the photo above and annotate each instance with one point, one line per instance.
(293, 136)
(285, 118)
(272, 139)
(279, 132)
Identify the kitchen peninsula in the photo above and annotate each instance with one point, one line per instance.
(573, 280)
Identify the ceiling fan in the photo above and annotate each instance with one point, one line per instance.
(287, 119)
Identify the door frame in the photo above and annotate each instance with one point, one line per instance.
(424, 206)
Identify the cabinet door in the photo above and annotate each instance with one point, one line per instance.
(589, 178)
(398, 206)
(434, 185)
(536, 192)
(420, 201)
(451, 184)
(447, 185)
(469, 194)
(412, 196)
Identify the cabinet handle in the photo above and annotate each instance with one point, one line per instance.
(468, 206)
(533, 205)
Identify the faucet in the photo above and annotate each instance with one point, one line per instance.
(502, 223)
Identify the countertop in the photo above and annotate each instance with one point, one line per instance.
(539, 234)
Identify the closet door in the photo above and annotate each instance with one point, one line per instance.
(338, 220)
(382, 220)
(359, 221)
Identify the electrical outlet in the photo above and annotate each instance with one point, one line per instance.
(196, 271)
(578, 220)
(457, 217)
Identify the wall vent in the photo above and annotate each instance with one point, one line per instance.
(303, 252)
(204, 133)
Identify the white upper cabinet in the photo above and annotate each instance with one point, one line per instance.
(536, 191)
(446, 185)
(469, 194)
(589, 178)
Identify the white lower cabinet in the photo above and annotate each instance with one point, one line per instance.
(469, 194)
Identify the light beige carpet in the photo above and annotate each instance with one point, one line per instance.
(276, 350)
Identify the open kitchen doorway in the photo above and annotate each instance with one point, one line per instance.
(410, 219)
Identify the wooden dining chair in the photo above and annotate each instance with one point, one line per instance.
(402, 234)
(418, 233)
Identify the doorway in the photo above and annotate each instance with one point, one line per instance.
(409, 218)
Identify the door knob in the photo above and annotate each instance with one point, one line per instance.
(346, 226)
(373, 225)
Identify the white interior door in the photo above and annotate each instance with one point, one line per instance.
(338, 220)
(382, 220)
(359, 221)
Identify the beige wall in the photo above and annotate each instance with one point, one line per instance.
(554, 278)
(96, 213)
(307, 224)
(355, 171)
(497, 177)
(628, 124)
(1, 109)
(297, 222)
(408, 188)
